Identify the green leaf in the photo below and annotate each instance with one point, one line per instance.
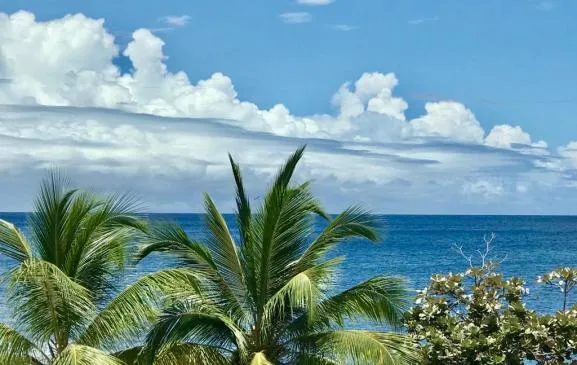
(48, 302)
(84, 355)
(134, 310)
(16, 347)
(13, 244)
(365, 347)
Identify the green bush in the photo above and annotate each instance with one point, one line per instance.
(479, 317)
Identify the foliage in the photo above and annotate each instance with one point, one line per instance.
(564, 279)
(268, 295)
(63, 273)
(479, 317)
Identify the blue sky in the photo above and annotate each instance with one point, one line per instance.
(509, 61)
(407, 106)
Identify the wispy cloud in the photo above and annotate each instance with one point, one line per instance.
(423, 20)
(176, 21)
(296, 18)
(344, 27)
(315, 2)
(546, 5)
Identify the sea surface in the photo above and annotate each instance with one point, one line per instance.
(418, 246)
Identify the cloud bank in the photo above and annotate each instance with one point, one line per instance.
(64, 102)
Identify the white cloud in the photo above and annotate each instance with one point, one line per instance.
(296, 18)
(176, 21)
(484, 189)
(449, 119)
(315, 2)
(71, 106)
(344, 27)
(570, 153)
(504, 136)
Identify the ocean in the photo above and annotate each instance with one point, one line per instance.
(417, 246)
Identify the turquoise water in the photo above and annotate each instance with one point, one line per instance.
(417, 246)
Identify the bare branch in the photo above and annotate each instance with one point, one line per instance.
(459, 250)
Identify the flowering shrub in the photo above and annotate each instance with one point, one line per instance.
(478, 317)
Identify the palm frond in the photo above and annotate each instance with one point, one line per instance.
(315, 359)
(302, 292)
(101, 233)
(48, 222)
(16, 347)
(381, 299)
(225, 255)
(269, 218)
(84, 355)
(170, 238)
(13, 244)
(187, 322)
(134, 310)
(48, 302)
(364, 347)
(353, 222)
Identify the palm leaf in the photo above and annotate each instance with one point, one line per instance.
(381, 299)
(187, 322)
(268, 222)
(84, 355)
(353, 222)
(48, 221)
(16, 347)
(134, 310)
(364, 347)
(303, 292)
(224, 252)
(48, 302)
(13, 244)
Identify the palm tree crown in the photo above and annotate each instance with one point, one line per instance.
(63, 272)
(266, 295)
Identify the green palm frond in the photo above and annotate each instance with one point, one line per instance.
(267, 223)
(203, 325)
(171, 239)
(304, 291)
(225, 255)
(13, 244)
(381, 299)
(48, 301)
(264, 296)
(131, 313)
(364, 347)
(353, 222)
(48, 221)
(84, 355)
(16, 347)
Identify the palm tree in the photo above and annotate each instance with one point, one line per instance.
(63, 273)
(267, 295)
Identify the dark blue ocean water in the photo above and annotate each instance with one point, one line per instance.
(417, 246)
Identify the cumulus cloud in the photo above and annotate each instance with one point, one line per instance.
(154, 130)
(449, 119)
(505, 136)
(570, 153)
(296, 17)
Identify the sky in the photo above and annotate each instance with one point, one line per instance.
(407, 107)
